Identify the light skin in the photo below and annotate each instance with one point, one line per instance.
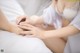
(54, 39)
(6, 25)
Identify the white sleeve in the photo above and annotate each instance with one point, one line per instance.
(51, 17)
(76, 21)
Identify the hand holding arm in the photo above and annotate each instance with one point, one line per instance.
(5, 25)
(34, 20)
(62, 32)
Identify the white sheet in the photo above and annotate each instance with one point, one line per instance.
(12, 43)
(32, 7)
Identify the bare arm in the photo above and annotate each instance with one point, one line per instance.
(36, 20)
(4, 24)
(62, 32)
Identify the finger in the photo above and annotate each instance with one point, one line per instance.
(30, 36)
(25, 33)
(21, 19)
(31, 26)
(25, 28)
(28, 26)
(25, 24)
(28, 21)
(22, 23)
(18, 19)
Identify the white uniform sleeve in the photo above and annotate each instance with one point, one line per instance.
(50, 17)
(76, 21)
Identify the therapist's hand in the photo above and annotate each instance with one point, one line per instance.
(34, 31)
(17, 30)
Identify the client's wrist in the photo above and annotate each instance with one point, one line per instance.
(14, 29)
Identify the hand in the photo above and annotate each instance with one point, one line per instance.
(30, 20)
(35, 31)
(21, 19)
(34, 20)
(17, 30)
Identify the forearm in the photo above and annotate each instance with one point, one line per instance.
(65, 31)
(40, 20)
(36, 19)
(4, 24)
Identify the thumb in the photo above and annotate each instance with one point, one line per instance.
(20, 19)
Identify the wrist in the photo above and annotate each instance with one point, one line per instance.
(34, 19)
(43, 34)
(11, 28)
(7, 27)
(15, 29)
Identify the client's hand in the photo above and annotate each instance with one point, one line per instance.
(34, 31)
(17, 30)
(21, 19)
(30, 20)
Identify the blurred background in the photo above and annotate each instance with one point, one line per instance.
(16, 8)
(32, 7)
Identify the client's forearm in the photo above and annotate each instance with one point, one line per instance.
(4, 24)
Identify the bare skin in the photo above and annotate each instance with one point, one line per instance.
(55, 44)
(54, 39)
(5, 25)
